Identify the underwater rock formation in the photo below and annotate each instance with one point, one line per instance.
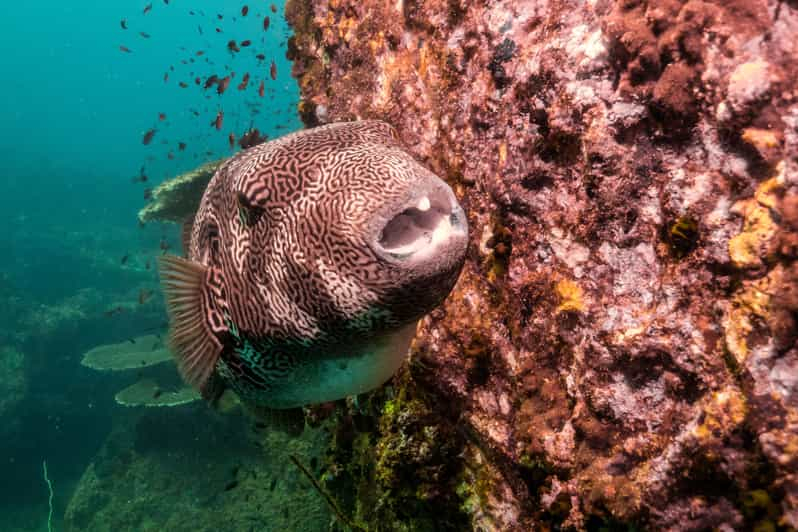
(13, 381)
(176, 199)
(162, 470)
(621, 346)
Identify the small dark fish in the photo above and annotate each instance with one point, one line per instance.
(233, 47)
(194, 112)
(273, 70)
(165, 77)
(231, 139)
(199, 53)
(181, 146)
(161, 116)
(197, 80)
(266, 23)
(164, 245)
(222, 85)
(199, 29)
(273, 8)
(147, 9)
(144, 295)
(251, 138)
(123, 23)
(144, 34)
(170, 156)
(148, 136)
(230, 485)
(147, 193)
(219, 16)
(261, 88)
(244, 11)
(244, 82)
(183, 84)
(210, 81)
(260, 57)
(218, 30)
(245, 43)
(124, 258)
(125, 49)
(114, 311)
(166, 2)
(157, 393)
(217, 123)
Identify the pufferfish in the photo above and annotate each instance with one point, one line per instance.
(309, 262)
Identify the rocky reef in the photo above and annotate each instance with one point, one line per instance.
(176, 199)
(13, 385)
(621, 347)
(161, 470)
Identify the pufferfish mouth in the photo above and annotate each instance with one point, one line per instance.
(430, 224)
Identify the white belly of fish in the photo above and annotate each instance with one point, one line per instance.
(349, 373)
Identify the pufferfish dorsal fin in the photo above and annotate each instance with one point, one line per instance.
(195, 348)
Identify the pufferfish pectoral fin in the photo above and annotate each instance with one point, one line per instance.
(194, 345)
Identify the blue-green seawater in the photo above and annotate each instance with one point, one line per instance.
(76, 269)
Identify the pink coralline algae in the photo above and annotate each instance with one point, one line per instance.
(621, 346)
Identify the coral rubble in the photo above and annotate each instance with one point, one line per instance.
(621, 346)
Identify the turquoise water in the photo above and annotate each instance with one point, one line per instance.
(75, 109)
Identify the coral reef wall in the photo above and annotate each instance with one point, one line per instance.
(621, 346)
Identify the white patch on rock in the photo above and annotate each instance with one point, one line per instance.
(587, 48)
(571, 253)
(749, 82)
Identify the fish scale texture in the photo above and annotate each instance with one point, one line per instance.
(621, 345)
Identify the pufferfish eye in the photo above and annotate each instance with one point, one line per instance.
(248, 214)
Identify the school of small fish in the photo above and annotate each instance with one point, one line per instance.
(197, 69)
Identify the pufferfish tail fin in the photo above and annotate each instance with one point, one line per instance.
(195, 348)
